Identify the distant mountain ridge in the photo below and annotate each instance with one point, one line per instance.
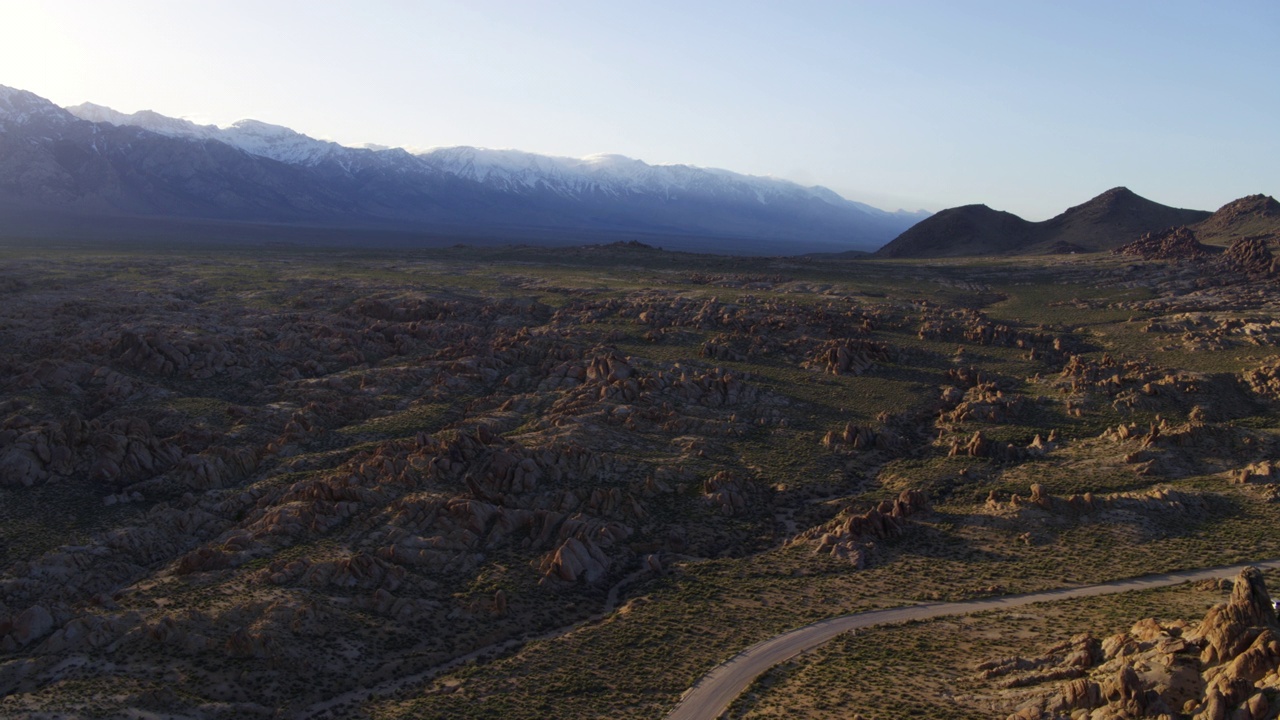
(92, 159)
(1115, 217)
(252, 136)
(507, 170)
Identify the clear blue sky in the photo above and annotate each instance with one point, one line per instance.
(1026, 106)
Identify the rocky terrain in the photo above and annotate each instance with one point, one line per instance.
(1223, 666)
(1201, 650)
(1178, 243)
(514, 481)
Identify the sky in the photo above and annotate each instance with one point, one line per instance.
(1026, 106)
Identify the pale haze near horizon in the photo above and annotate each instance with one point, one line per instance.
(1026, 107)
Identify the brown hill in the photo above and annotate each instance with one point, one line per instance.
(961, 231)
(1254, 216)
(1115, 217)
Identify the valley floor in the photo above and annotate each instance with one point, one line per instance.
(526, 483)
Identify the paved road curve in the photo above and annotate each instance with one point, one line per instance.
(712, 694)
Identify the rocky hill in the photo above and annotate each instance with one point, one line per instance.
(1246, 227)
(1115, 217)
(965, 230)
(1251, 216)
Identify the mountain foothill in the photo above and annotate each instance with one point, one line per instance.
(1111, 220)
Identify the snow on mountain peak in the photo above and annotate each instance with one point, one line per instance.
(278, 142)
(145, 119)
(611, 174)
(611, 159)
(18, 107)
(259, 129)
(603, 174)
(252, 136)
(97, 113)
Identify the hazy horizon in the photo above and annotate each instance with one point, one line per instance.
(1029, 109)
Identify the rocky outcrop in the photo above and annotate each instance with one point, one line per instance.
(721, 348)
(851, 357)
(27, 626)
(1251, 256)
(978, 446)
(1222, 668)
(862, 437)
(985, 403)
(851, 535)
(1177, 450)
(361, 571)
(117, 452)
(194, 356)
(1264, 381)
(576, 560)
(727, 492)
(1162, 500)
(1132, 386)
(1178, 243)
(972, 326)
(1232, 626)
(1263, 471)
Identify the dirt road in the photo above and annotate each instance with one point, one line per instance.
(717, 689)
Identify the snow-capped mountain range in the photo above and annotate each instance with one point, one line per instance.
(458, 188)
(18, 108)
(254, 137)
(507, 170)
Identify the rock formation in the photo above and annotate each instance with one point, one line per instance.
(1251, 256)
(1222, 668)
(851, 535)
(1178, 243)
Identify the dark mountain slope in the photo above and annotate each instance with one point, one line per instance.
(1109, 220)
(1115, 217)
(956, 232)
